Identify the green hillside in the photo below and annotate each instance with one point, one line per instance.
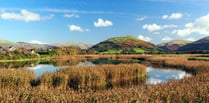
(125, 45)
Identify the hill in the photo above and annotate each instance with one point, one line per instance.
(6, 43)
(202, 44)
(31, 46)
(126, 44)
(173, 45)
(77, 44)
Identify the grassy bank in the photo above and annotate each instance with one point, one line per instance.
(26, 59)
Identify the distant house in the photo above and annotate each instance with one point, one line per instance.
(1, 48)
(32, 51)
(12, 48)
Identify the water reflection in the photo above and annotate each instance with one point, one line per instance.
(43, 68)
(39, 67)
(161, 76)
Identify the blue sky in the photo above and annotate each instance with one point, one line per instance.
(92, 21)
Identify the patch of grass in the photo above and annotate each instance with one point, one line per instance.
(199, 59)
(139, 50)
(112, 51)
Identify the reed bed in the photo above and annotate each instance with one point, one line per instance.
(96, 77)
(15, 78)
(52, 87)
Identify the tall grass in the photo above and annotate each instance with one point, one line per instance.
(97, 77)
(15, 78)
(188, 90)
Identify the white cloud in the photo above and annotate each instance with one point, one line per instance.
(173, 16)
(155, 27)
(200, 26)
(142, 18)
(165, 17)
(71, 16)
(48, 17)
(77, 28)
(191, 39)
(87, 30)
(24, 15)
(166, 38)
(154, 81)
(103, 23)
(182, 32)
(141, 37)
(73, 11)
(156, 32)
(36, 42)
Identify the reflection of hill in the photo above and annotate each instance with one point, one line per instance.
(101, 61)
(17, 65)
(62, 62)
(66, 62)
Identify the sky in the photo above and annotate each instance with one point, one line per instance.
(93, 21)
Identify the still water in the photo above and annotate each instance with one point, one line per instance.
(156, 75)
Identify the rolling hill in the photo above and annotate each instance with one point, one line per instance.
(6, 43)
(77, 44)
(202, 44)
(31, 46)
(125, 45)
(173, 45)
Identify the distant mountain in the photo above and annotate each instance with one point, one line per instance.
(77, 44)
(173, 45)
(125, 44)
(6, 43)
(31, 46)
(202, 44)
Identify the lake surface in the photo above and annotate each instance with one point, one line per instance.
(156, 75)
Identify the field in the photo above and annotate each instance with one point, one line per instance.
(109, 83)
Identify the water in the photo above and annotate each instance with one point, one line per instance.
(162, 76)
(156, 75)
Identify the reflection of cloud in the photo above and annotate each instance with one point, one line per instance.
(154, 81)
(86, 63)
(182, 75)
(157, 75)
(38, 67)
(149, 69)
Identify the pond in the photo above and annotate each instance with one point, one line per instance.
(156, 75)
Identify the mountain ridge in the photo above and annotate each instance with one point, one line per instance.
(201, 44)
(6, 43)
(173, 45)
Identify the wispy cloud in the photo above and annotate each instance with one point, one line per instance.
(141, 19)
(55, 10)
(71, 16)
(73, 11)
(24, 15)
(156, 27)
(173, 16)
